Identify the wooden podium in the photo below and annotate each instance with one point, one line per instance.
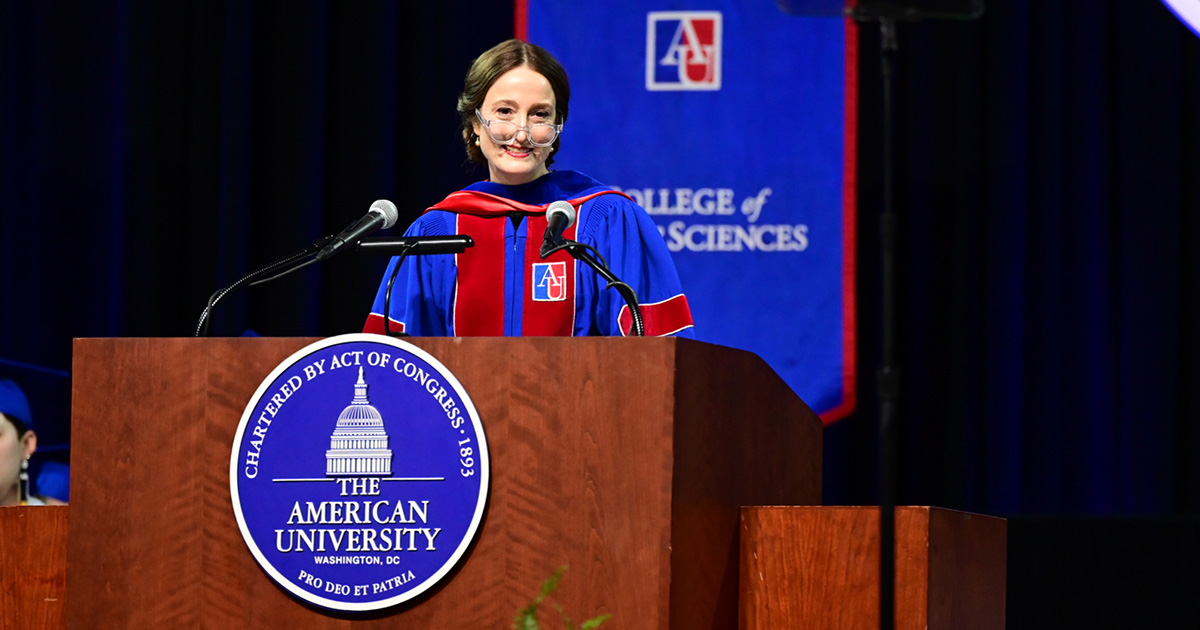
(33, 566)
(818, 568)
(626, 459)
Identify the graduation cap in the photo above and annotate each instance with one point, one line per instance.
(14, 403)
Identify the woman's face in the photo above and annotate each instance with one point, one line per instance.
(13, 451)
(523, 97)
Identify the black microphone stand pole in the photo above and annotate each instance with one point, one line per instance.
(887, 12)
(888, 378)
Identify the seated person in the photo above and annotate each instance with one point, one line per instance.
(18, 443)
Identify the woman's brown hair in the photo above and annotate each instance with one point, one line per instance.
(489, 66)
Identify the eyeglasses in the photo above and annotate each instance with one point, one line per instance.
(504, 132)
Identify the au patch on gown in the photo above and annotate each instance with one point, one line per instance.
(549, 282)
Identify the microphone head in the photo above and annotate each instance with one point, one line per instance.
(561, 207)
(388, 210)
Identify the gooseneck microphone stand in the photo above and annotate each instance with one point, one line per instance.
(278, 268)
(401, 246)
(580, 251)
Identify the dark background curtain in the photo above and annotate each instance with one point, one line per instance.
(154, 152)
(1047, 159)
(1047, 162)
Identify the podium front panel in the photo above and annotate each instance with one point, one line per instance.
(624, 459)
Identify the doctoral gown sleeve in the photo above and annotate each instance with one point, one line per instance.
(628, 239)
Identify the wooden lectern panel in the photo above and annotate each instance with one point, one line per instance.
(626, 459)
(33, 566)
(818, 568)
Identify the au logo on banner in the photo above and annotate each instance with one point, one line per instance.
(359, 473)
(683, 50)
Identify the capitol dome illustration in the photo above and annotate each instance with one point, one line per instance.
(359, 444)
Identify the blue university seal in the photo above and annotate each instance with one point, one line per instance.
(359, 473)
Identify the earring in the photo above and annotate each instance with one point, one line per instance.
(23, 491)
(476, 140)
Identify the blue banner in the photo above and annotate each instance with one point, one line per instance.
(732, 123)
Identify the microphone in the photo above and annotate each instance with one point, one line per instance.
(382, 215)
(560, 215)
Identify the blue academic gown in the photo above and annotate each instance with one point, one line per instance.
(501, 286)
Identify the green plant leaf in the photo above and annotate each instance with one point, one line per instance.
(550, 586)
(527, 617)
(593, 623)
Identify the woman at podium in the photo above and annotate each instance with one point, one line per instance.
(18, 442)
(513, 108)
